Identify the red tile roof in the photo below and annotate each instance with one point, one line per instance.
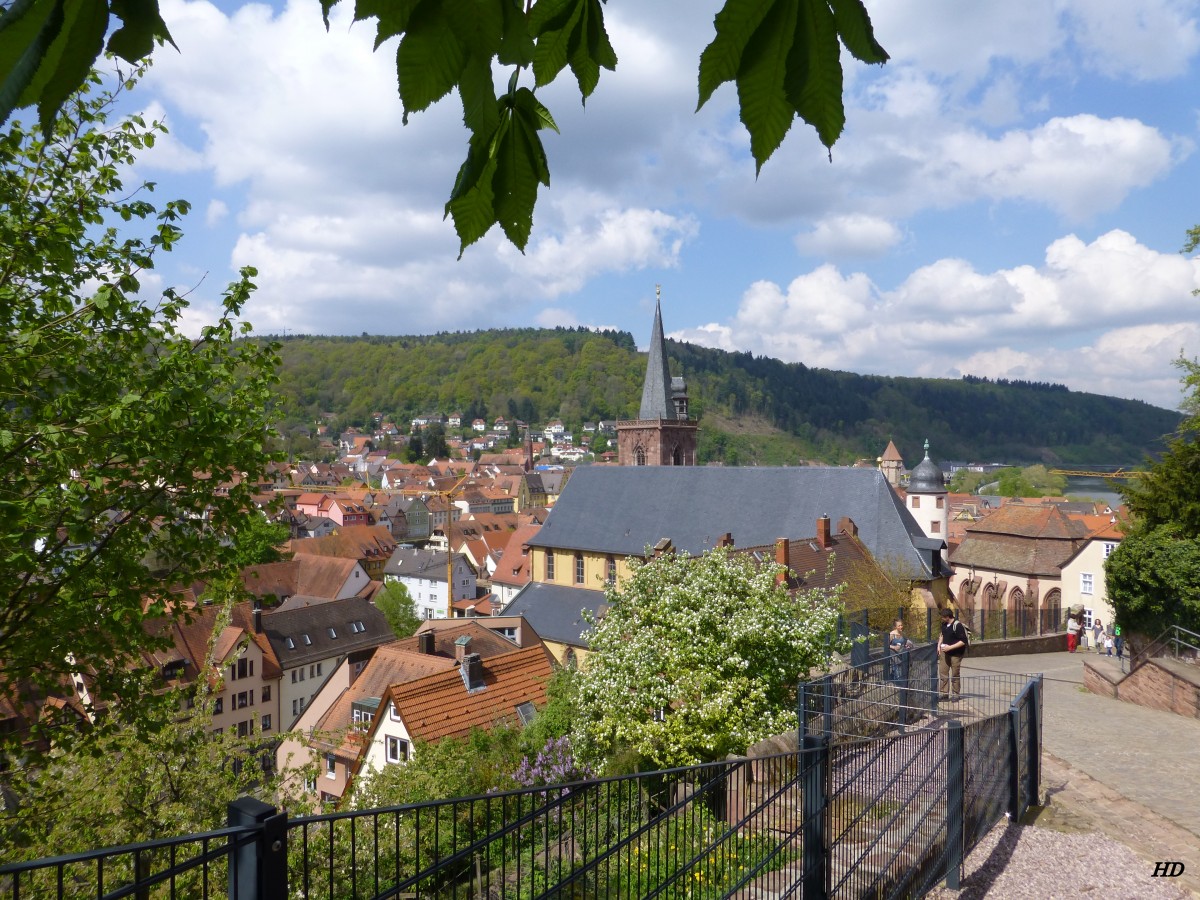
(439, 706)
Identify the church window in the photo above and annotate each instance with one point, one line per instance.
(676, 457)
(639, 454)
(578, 567)
(549, 565)
(611, 569)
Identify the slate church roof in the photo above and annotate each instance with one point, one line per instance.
(624, 509)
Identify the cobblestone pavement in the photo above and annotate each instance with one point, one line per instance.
(1111, 767)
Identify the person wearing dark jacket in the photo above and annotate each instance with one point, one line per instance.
(952, 647)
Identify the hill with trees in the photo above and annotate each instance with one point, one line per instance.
(752, 409)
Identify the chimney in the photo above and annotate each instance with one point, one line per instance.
(460, 647)
(823, 539)
(662, 547)
(472, 671)
(425, 643)
(783, 557)
(725, 540)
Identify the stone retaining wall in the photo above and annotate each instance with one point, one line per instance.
(1149, 685)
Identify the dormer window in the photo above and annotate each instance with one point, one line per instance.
(307, 640)
(291, 645)
(332, 634)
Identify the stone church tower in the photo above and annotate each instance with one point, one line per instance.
(662, 434)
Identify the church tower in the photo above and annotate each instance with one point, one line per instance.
(927, 498)
(662, 434)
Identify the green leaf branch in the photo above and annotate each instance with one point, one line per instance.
(782, 55)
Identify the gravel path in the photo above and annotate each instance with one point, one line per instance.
(1028, 861)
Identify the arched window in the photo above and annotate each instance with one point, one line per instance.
(578, 567)
(639, 455)
(676, 456)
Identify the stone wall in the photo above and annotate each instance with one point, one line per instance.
(1153, 686)
(1045, 643)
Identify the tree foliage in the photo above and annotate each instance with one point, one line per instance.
(1153, 576)
(396, 604)
(116, 429)
(782, 55)
(696, 658)
(751, 409)
(1153, 580)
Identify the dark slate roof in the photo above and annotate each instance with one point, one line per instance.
(419, 563)
(656, 390)
(556, 611)
(355, 621)
(927, 477)
(623, 509)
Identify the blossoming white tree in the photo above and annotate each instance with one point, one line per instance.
(699, 657)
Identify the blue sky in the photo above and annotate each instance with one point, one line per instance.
(1009, 197)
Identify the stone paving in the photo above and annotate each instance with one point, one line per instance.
(1126, 771)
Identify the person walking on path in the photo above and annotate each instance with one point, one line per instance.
(952, 647)
(1097, 635)
(1073, 628)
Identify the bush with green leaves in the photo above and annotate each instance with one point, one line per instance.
(696, 658)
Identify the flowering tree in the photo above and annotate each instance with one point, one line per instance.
(699, 657)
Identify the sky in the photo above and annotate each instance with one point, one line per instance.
(1009, 198)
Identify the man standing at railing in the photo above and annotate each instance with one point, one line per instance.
(952, 647)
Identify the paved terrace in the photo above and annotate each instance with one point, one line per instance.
(1126, 771)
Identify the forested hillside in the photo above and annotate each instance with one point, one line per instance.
(751, 409)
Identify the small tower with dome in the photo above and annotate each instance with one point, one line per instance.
(927, 498)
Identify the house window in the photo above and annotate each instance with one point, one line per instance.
(241, 700)
(293, 676)
(1085, 583)
(916, 502)
(549, 565)
(266, 723)
(1109, 548)
(578, 567)
(266, 693)
(310, 785)
(397, 749)
(243, 729)
(941, 502)
(219, 706)
(935, 527)
(296, 707)
(330, 766)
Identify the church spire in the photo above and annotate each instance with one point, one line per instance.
(656, 390)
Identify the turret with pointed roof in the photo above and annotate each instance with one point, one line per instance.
(656, 389)
(663, 434)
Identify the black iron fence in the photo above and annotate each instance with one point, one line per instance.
(924, 626)
(858, 809)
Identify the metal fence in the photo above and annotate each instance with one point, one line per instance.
(848, 813)
(924, 627)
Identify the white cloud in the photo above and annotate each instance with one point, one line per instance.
(1067, 321)
(1146, 40)
(216, 212)
(849, 236)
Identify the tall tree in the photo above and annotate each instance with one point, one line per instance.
(396, 604)
(783, 55)
(116, 429)
(1153, 576)
(698, 657)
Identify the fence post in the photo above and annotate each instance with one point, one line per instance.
(258, 865)
(1034, 748)
(955, 802)
(827, 705)
(1014, 762)
(815, 804)
(803, 703)
(933, 683)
